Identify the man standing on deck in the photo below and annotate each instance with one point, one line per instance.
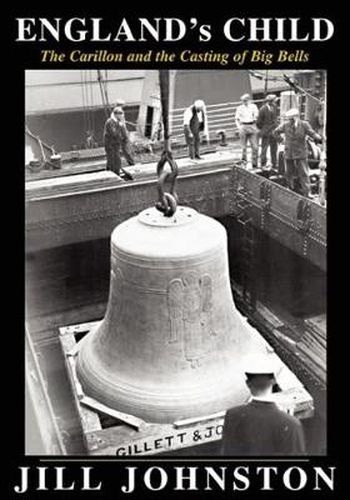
(259, 427)
(116, 140)
(266, 123)
(195, 121)
(246, 116)
(295, 132)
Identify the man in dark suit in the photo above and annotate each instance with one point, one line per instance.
(116, 139)
(195, 121)
(296, 131)
(259, 427)
(266, 123)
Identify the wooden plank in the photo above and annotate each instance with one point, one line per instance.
(158, 438)
(318, 325)
(210, 161)
(295, 401)
(88, 419)
(85, 161)
(309, 363)
(131, 420)
(315, 334)
(269, 316)
(190, 421)
(71, 169)
(154, 439)
(309, 341)
(78, 328)
(48, 188)
(314, 358)
(313, 339)
(284, 338)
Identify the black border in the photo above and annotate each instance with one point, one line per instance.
(331, 56)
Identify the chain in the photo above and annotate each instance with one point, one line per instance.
(167, 200)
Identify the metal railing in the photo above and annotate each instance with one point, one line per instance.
(220, 115)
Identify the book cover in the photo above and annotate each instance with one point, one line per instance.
(173, 190)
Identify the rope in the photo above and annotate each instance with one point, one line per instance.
(294, 85)
(164, 100)
(106, 90)
(83, 98)
(103, 97)
(91, 104)
(87, 90)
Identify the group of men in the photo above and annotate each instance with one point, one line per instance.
(116, 136)
(253, 123)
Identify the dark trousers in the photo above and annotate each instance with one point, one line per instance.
(114, 160)
(298, 170)
(268, 140)
(192, 143)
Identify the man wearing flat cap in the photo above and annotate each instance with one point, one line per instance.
(246, 116)
(296, 131)
(120, 103)
(259, 427)
(195, 121)
(116, 140)
(266, 123)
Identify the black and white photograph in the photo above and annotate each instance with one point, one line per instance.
(175, 262)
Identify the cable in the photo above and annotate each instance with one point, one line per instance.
(82, 82)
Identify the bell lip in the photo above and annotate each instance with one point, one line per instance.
(165, 407)
(165, 404)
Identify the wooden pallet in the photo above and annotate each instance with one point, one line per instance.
(110, 432)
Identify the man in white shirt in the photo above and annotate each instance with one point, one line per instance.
(195, 121)
(246, 116)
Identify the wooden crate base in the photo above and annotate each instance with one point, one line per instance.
(109, 432)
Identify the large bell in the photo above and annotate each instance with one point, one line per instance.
(172, 343)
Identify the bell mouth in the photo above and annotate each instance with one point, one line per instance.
(161, 404)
